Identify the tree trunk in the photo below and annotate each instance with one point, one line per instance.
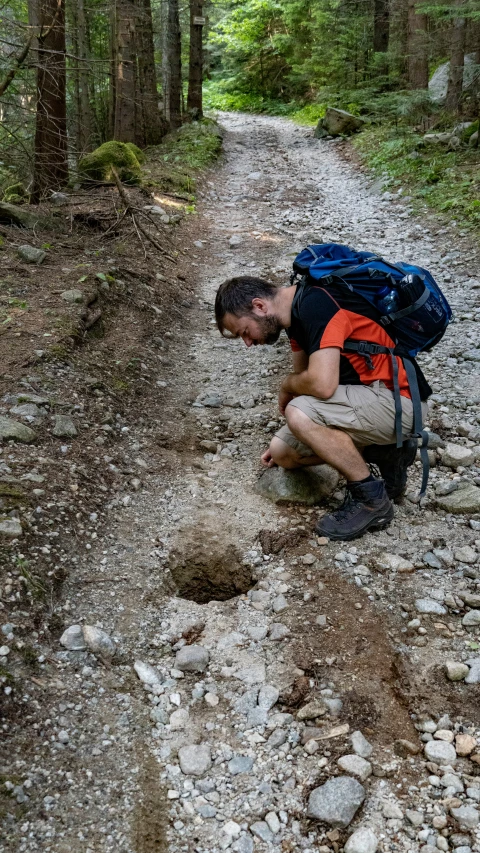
(85, 109)
(173, 69)
(417, 48)
(457, 58)
(381, 26)
(125, 71)
(50, 161)
(152, 127)
(195, 68)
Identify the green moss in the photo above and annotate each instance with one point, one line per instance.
(469, 131)
(137, 151)
(98, 165)
(15, 194)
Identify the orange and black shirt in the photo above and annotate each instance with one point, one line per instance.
(327, 318)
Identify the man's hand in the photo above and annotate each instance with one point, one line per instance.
(284, 398)
(266, 459)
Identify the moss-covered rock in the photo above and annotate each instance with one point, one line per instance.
(469, 131)
(137, 151)
(15, 194)
(98, 165)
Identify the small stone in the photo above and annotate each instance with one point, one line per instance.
(212, 699)
(146, 673)
(429, 605)
(245, 844)
(440, 752)
(278, 631)
(99, 642)
(179, 719)
(311, 710)
(273, 822)
(31, 255)
(4, 651)
(261, 829)
(456, 671)
(465, 744)
(414, 817)
(311, 747)
(337, 801)
(394, 563)
(279, 604)
(14, 431)
(466, 554)
(73, 296)
(195, 759)
(64, 427)
(471, 619)
(360, 744)
(73, 639)
(444, 734)
(267, 697)
(59, 198)
(356, 766)
(235, 241)
(257, 633)
(466, 816)
(392, 811)
(363, 840)
(473, 676)
(405, 748)
(10, 527)
(192, 659)
(240, 764)
(455, 455)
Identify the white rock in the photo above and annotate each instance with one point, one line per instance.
(99, 642)
(455, 455)
(429, 605)
(267, 697)
(363, 840)
(394, 563)
(73, 639)
(360, 744)
(195, 759)
(456, 671)
(466, 554)
(192, 658)
(179, 719)
(440, 752)
(471, 618)
(356, 766)
(146, 673)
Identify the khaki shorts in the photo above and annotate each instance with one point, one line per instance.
(365, 412)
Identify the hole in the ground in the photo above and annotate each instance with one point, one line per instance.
(204, 575)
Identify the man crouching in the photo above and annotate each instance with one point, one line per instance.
(339, 406)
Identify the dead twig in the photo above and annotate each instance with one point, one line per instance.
(132, 211)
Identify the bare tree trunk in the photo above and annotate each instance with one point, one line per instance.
(85, 107)
(195, 68)
(457, 59)
(152, 127)
(173, 70)
(50, 161)
(125, 71)
(417, 48)
(381, 26)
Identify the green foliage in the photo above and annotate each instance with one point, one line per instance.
(174, 163)
(445, 180)
(97, 166)
(15, 194)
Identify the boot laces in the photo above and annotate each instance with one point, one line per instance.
(346, 508)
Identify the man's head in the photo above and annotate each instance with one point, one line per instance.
(245, 308)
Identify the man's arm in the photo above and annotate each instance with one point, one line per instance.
(320, 379)
(300, 361)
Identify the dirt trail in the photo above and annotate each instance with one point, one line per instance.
(176, 554)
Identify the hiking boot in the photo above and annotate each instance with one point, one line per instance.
(366, 507)
(392, 462)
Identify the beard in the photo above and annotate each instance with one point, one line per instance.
(269, 328)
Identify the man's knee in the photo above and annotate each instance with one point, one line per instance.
(298, 422)
(284, 455)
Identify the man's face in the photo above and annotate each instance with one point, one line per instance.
(253, 329)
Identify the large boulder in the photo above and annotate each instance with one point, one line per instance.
(122, 156)
(438, 84)
(301, 486)
(11, 214)
(338, 123)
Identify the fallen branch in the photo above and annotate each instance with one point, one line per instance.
(132, 211)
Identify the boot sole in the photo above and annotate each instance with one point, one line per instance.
(375, 524)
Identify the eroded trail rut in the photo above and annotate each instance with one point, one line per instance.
(303, 643)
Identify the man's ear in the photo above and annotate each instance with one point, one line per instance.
(260, 307)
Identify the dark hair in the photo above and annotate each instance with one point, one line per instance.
(235, 296)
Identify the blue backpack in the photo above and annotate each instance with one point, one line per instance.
(410, 306)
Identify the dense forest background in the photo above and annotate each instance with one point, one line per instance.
(75, 74)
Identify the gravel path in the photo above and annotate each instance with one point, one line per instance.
(243, 702)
